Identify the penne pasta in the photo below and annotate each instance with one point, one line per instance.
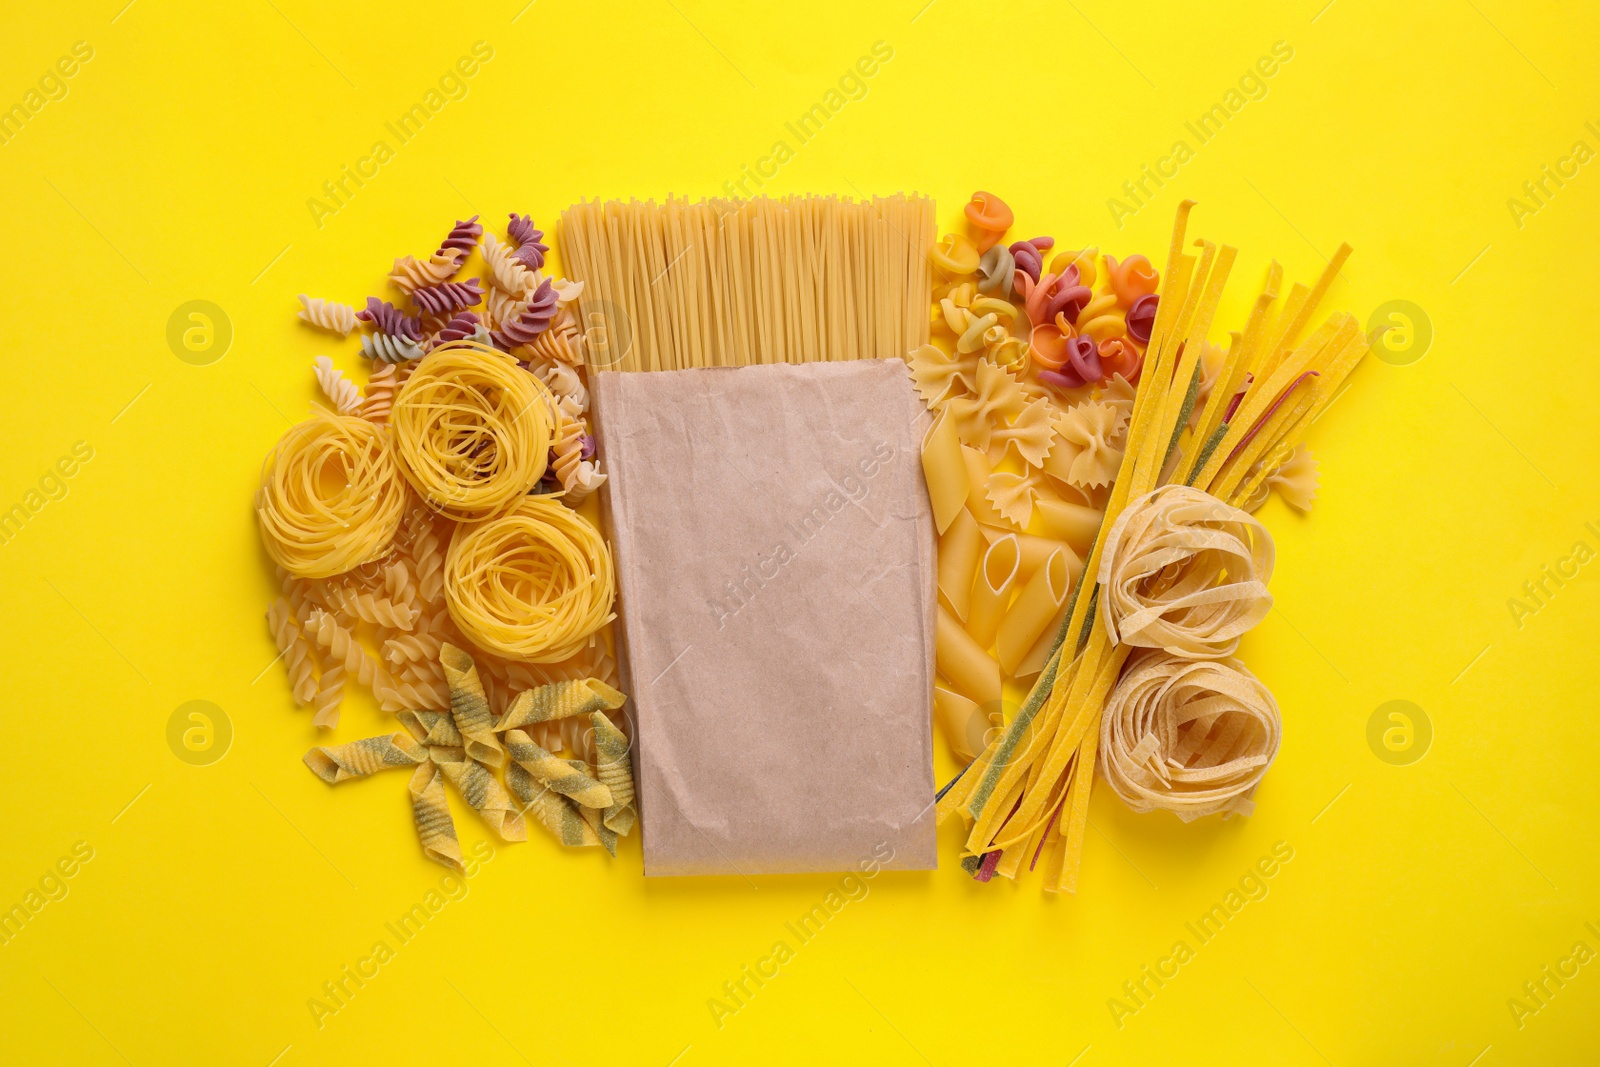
(945, 470)
(1064, 521)
(992, 586)
(959, 720)
(959, 551)
(1040, 601)
(967, 667)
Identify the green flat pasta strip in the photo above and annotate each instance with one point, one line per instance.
(555, 772)
(470, 707)
(479, 788)
(357, 759)
(430, 810)
(560, 700)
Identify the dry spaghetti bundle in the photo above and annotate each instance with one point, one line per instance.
(331, 496)
(473, 430)
(533, 584)
(727, 283)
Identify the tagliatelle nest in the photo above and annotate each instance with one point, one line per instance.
(1184, 572)
(1185, 736)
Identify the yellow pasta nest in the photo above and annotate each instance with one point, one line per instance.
(473, 430)
(533, 584)
(1183, 571)
(1193, 737)
(331, 496)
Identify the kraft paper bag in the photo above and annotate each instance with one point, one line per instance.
(775, 568)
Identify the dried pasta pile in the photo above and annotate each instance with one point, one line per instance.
(727, 283)
(474, 412)
(1093, 466)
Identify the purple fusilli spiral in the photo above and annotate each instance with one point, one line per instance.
(1029, 255)
(463, 238)
(463, 324)
(446, 297)
(530, 251)
(532, 320)
(390, 319)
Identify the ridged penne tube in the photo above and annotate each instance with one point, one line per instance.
(483, 791)
(615, 771)
(554, 811)
(555, 772)
(560, 700)
(992, 585)
(431, 727)
(430, 810)
(959, 718)
(1039, 602)
(945, 471)
(340, 763)
(470, 706)
(1063, 520)
(959, 551)
(964, 665)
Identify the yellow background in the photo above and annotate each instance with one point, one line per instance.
(1420, 898)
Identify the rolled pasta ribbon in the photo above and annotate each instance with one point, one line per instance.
(959, 551)
(556, 772)
(357, 759)
(1063, 520)
(1040, 601)
(960, 720)
(555, 812)
(331, 496)
(992, 586)
(431, 727)
(483, 791)
(1182, 571)
(430, 810)
(473, 430)
(945, 471)
(615, 771)
(1190, 737)
(469, 706)
(559, 700)
(963, 663)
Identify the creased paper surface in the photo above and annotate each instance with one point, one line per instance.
(775, 565)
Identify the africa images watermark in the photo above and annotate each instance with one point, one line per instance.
(337, 192)
(1252, 86)
(1253, 885)
(736, 596)
(1539, 991)
(339, 991)
(53, 485)
(738, 992)
(1538, 591)
(851, 86)
(52, 887)
(52, 86)
(1538, 191)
